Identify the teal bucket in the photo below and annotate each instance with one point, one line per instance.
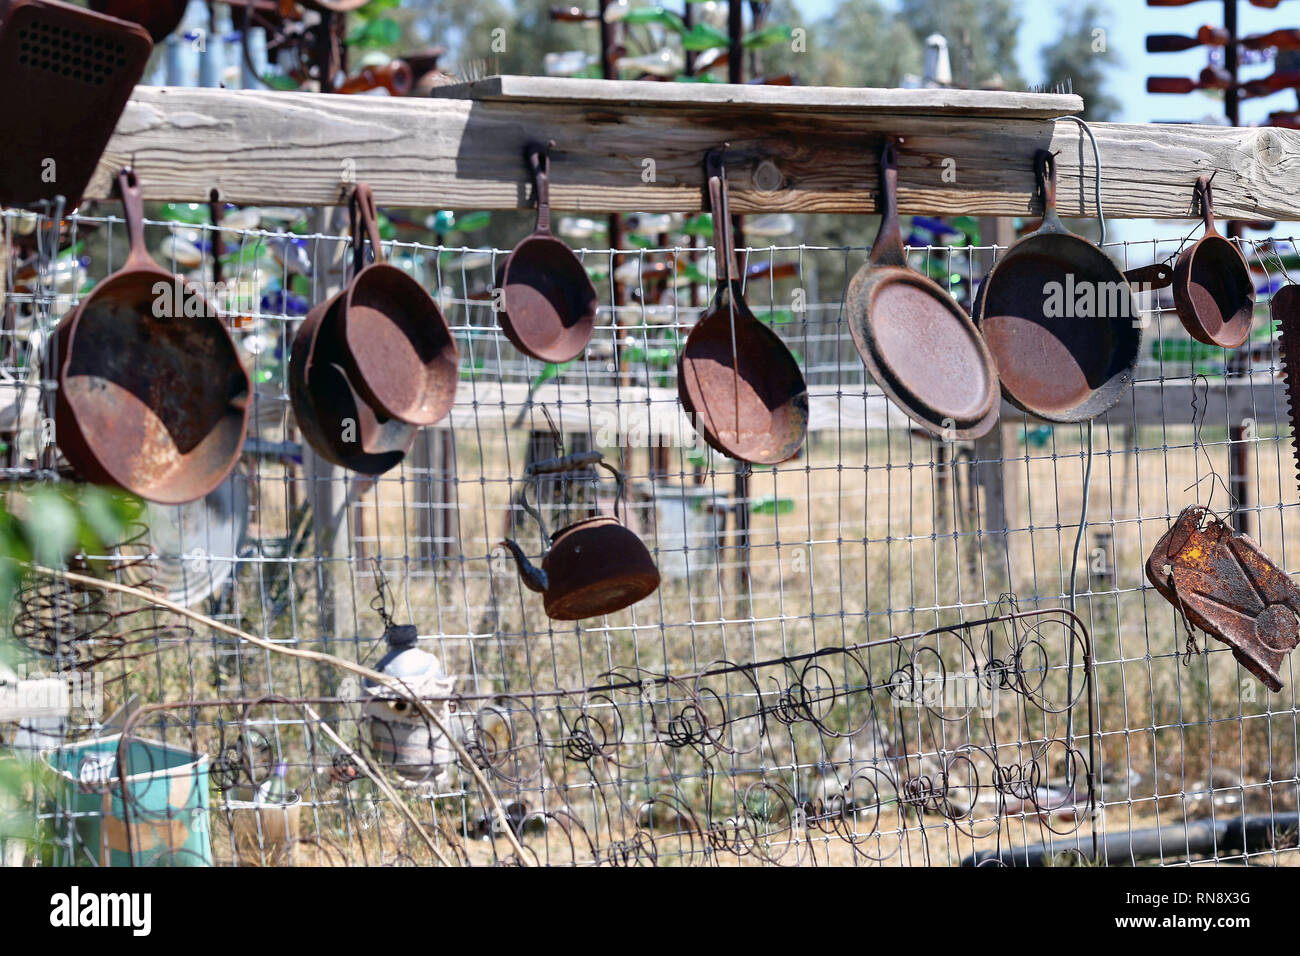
(163, 820)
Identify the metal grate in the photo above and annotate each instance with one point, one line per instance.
(864, 655)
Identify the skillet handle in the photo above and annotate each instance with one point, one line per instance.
(723, 244)
(1205, 196)
(887, 250)
(362, 212)
(128, 185)
(539, 160)
(1158, 275)
(1045, 171)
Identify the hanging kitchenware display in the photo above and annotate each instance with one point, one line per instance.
(159, 17)
(67, 74)
(395, 346)
(591, 567)
(1213, 293)
(1221, 582)
(155, 403)
(1059, 318)
(919, 345)
(736, 379)
(549, 308)
(332, 416)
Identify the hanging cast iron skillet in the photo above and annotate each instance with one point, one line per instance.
(393, 341)
(550, 302)
(919, 345)
(155, 404)
(1213, 293)
(333, 417)
(735, 377)
(1065, 366)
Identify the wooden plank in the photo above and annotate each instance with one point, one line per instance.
(309, 148)
(630, 94)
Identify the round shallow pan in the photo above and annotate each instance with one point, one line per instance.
(919, 345)
(550, 301)
(393, 341)
(735, 377)
(1059, 318)
(332, 416)
(1213, 293)
(157, 405)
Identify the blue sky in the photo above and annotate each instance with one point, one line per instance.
(1131, 21)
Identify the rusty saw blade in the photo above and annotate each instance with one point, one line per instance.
(1285, 309)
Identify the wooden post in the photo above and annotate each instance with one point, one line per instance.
(327, 485)
(434, 463)
(990, 452)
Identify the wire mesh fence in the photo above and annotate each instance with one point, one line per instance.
(891, 650)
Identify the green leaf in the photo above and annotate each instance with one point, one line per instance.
(704, 36)
(766, 37)
(771, 505)
(51, 527)
(656, 15)
(701, 225)
(474, 221)
(380, 32)
(550, 371)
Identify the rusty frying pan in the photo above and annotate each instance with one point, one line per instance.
(394, 343)
(155, 404)
(735, 377)
(919, 345)
(331, 414)
(1059, 318)
(1213, 293)
(550, 301)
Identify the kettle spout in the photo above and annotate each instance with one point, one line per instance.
(534, 578)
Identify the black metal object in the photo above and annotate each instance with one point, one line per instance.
(1212, 838)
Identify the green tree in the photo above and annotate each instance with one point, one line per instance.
(1082, 55)
(859, 43)
(981, 37)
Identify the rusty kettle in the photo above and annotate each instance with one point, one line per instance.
(591, 567)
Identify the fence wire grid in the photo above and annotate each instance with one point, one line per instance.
(873, 654)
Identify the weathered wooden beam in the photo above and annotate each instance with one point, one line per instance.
(632, 94)
(308, 149)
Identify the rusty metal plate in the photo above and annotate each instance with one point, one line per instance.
(1230, 589)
